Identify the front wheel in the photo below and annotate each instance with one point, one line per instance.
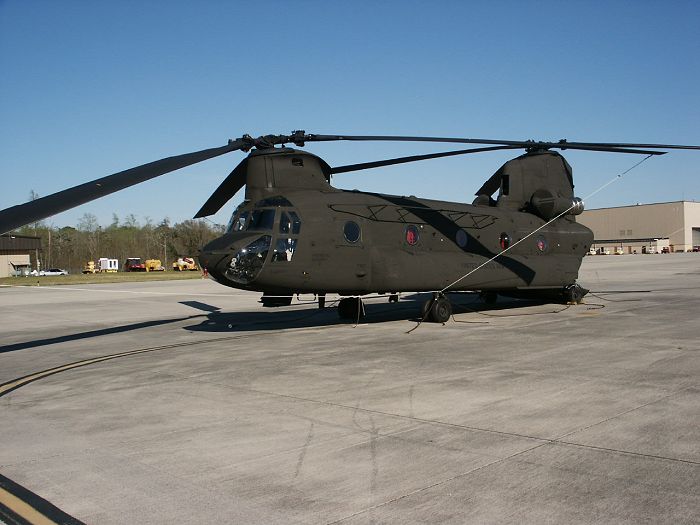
(574, 294)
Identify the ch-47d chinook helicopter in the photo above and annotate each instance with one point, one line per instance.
(295, 233)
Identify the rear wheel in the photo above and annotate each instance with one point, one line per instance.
(437, 309)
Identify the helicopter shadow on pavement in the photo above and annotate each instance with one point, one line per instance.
(378, 310)
(89, 334)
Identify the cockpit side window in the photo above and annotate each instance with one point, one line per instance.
(290, 223)
(239, 223)
(296, 222)
(238, 219)
(286, 242)
(284, 250)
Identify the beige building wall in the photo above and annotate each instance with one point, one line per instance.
(672, 220)
(692, 221)
(7, 262)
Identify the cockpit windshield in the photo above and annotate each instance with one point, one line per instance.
(261, 220)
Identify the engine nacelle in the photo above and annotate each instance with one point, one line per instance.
(549, 206)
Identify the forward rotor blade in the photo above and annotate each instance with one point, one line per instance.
(227, 189)
(413, 158)
(43, 207)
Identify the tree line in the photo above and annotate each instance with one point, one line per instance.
(71, 247)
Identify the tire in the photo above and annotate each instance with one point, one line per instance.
(441, 310)
(574, 294)
(437, 310)
(425, 309)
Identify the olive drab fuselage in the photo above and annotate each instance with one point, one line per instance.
(295, 233)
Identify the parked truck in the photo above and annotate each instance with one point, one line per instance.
(134, 264)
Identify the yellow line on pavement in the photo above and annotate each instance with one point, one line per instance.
(23, 509)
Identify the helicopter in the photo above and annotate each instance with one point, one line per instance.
(295, 233)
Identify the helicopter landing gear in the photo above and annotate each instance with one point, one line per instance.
(351, 308)
(321, 301)
(489, 296)
(574, 293)
(394, 298)
(437, 309)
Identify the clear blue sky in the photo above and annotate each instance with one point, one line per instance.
(92, 88)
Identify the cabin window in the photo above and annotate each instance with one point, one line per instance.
(351, 232)
(504, 241)
(411, 235)
(461, 238)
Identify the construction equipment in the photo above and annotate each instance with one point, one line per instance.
(185, 264)
(154, 265)
(90, 267)
(103, 265)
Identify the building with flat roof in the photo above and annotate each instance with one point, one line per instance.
(645, 227)
(18, 253)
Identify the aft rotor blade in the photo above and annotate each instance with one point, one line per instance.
(610, 149)
(227, 189)
(413, 158)
(44, 207)
(527, 144)
(399, 138)
(632, 145)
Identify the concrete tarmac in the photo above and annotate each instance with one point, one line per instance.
(217, 410)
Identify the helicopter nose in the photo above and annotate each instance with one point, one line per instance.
(214, 251)
(235, 258)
